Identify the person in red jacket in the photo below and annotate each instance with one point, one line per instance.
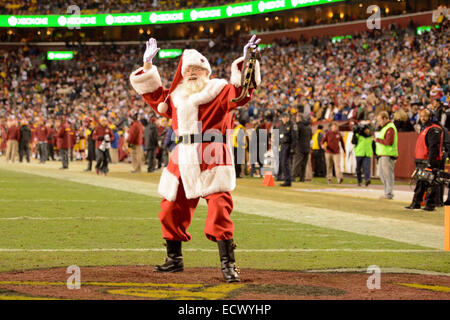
(63, 142)
(2, 137)
(103, 136)
(135, 141)
(332, 152)
(41, 133)
(51, 141)
(12, 141)
(427, 154)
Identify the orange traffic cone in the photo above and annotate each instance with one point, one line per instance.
(268, 179)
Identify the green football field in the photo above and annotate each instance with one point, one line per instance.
(47, 222)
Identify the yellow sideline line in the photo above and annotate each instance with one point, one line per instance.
(98, 283)
(24, 298)
(426, 287)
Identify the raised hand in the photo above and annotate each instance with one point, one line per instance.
(251, 44)
(150, 51)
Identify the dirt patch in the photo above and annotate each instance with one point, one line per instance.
(140, 282)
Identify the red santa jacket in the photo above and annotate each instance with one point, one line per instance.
(41, 133)
(63, 137)
(204, 168)
(99, 134)
(136, 134)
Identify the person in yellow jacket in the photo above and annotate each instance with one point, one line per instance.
(363, 141)
(387, 151)
(239, 146)
(318, 154)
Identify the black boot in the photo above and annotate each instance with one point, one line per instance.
(174, 260)
(229, 268)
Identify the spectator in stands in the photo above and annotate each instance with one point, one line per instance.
(401, 121)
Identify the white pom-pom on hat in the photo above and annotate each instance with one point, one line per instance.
(162, 107)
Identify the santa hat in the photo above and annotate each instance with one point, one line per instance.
(190, 57)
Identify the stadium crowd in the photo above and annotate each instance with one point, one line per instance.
(394, 70)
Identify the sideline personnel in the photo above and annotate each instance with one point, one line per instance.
(387, 151)
(428, 154)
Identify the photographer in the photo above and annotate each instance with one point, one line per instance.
(428, 154)
(103, 136)
(363, 141)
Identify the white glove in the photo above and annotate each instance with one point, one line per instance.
(251, 44)
(150, 51)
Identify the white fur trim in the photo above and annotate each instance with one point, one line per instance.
(212, 89)
(218, 179)
(188, 155)
(146, 82)
(235, 78)
(189, 165)
(187, 107)
(168, 185)
(192, 57)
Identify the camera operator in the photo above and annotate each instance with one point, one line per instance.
(428, 154)
(363, 141)
(103, 136)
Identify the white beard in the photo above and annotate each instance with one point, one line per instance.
(193, 86)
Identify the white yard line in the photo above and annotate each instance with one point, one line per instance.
(398, 230)
(214, 250)
(76, 218)
(71, 200)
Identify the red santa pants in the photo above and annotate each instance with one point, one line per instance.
(176, 216)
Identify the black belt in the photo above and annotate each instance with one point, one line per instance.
(199, 138)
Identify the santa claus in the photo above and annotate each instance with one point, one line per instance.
(201, 165)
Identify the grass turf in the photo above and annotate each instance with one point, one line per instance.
(252, 187)
(70, 215)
